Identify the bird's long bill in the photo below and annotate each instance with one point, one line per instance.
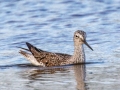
(88, 45)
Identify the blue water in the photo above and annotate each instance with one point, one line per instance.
(50, 25)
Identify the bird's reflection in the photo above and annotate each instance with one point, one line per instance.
(80, 74)
(35, 73)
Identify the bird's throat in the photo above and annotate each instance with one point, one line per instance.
(78, 55)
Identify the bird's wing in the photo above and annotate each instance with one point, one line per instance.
(48, 58)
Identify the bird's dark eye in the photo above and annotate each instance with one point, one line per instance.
(76, 36)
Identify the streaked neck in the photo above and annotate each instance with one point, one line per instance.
(78, 55)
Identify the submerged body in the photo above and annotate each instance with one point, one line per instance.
(43, 58)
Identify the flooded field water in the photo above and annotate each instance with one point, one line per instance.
(50, 25)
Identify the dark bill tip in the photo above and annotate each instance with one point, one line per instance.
(88, 45)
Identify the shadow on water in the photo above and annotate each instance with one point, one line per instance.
(28, 65)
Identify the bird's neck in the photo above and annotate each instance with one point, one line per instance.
(78, 55)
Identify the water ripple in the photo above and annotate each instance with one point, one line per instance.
(50, 25)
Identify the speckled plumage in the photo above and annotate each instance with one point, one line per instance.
(43, 58)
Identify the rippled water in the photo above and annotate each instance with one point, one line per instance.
(50, 25)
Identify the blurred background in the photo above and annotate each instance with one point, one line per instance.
(50, 25)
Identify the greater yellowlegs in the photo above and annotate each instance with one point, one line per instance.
(43, 58)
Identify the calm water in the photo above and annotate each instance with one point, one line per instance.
(50, 25)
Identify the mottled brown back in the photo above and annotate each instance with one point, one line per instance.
(48, 58)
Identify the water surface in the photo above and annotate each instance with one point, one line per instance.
(50, 25)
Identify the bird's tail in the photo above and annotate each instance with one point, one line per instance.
(25, 54)
(31, 58)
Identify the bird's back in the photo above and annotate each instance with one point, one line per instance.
(48, 58)
(51, 59)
